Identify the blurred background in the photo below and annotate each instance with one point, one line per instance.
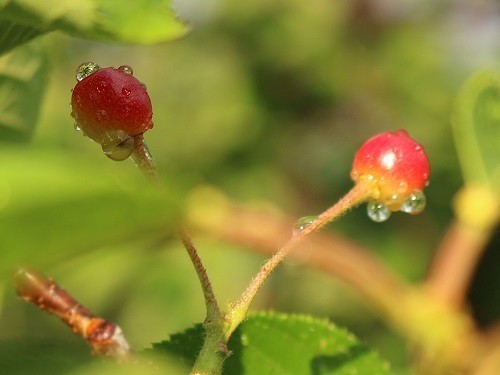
(268, 102)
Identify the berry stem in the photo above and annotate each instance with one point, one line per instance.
(214, 351)
(144, 160)
(361, 192)
(213, 310)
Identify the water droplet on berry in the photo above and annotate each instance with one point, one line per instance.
(77, 127)
(303, 223)
(117, 145)
(86, 69)
(415, 203)
(126, 91)
(378, 212)
(126, 69)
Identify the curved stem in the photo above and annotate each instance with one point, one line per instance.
(213, 310)
(358, 194)
(213, 353)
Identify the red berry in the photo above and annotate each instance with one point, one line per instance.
(396, 165)
(109, 100)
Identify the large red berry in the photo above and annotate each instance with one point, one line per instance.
(109, 100)
(398, 168)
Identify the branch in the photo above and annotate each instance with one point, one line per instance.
(452, 269)
(104, 337)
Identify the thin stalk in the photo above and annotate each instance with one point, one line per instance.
(144, 160)
(358, 194)
(213, 310)
(214, 351)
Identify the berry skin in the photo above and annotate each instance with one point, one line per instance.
(108, 101)
(396, 166)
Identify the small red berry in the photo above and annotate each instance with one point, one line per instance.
(110, 103)
(398, 169)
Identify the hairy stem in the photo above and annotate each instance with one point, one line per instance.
(359, 193)
(213, 352)
(213, 310)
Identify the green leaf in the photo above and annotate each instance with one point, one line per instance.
(279, 344)
(13, 34)
(185, 345)
(476, 126)
(51, 356)
(138, 21)
(54, 205)
(23, 79)
(43, 357)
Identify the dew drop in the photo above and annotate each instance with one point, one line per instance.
(378, 212)
(126, 91)
(303, 223)
(126, 69)
(77, 127)
(117, 145)
(415, 203)
(86, 69)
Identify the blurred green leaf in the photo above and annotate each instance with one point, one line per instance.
(270, 343)
(23, 79)
(54, 205)
(476, 126)
(13, 34)
(49, 357)
(184, 345)
(42, 357)
(139, 21)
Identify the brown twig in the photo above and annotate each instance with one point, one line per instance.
(105, 337)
